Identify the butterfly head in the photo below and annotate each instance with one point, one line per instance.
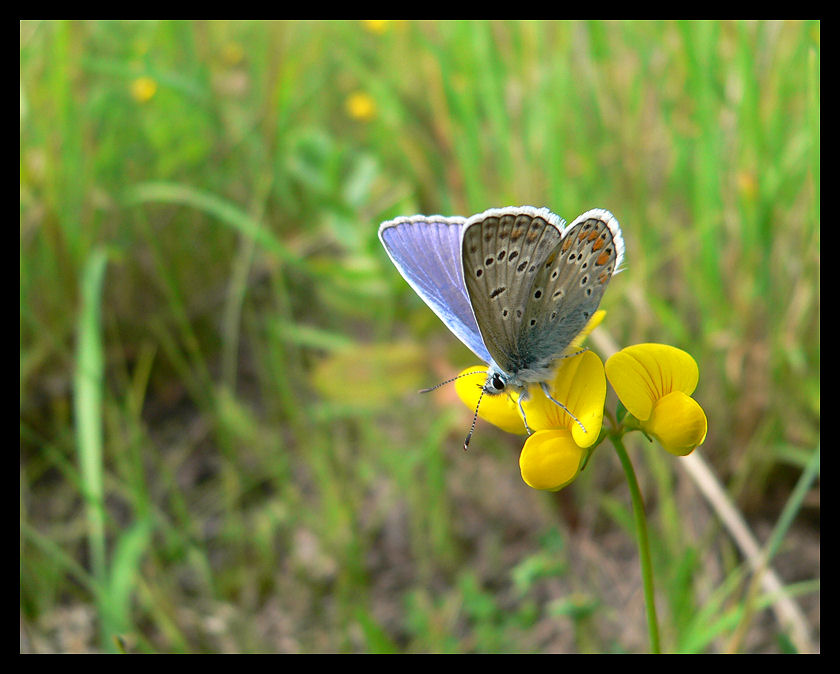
(497, 382)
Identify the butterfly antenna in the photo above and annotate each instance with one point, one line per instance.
(475, 418)
(443, 383)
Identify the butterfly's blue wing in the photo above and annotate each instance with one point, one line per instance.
(427, 252)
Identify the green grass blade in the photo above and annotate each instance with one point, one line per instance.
(226, 212)
(88, 389)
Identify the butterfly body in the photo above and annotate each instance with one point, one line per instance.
(514, 284)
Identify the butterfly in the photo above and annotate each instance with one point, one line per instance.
(514, 284)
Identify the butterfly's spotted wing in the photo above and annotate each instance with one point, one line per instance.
(503, 250)
(569, 285)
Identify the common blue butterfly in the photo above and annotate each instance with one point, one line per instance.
(514, 284)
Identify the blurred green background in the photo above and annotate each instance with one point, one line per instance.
(222, 448)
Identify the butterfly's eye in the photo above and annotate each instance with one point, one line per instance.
(497, 383)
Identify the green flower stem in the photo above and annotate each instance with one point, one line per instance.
(642, 539)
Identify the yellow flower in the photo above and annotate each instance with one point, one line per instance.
(747, 185)
(377, 26)
(555, 452)
(502, 410)
(655, 382)
(143, 89)
(232, 53)
(550, 460)
(361, 106)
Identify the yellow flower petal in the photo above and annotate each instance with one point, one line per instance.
(499, 410)
(678, 423)
(644, 373)
(580, 385)
(550, 460)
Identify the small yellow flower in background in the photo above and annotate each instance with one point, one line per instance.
(232, 53)
(361, 106)
(654, 383)
(376, 26)
(143, 89)
(747, 184)
(555, 452)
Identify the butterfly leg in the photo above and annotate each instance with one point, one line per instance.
(519, 400)
(548, 395)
